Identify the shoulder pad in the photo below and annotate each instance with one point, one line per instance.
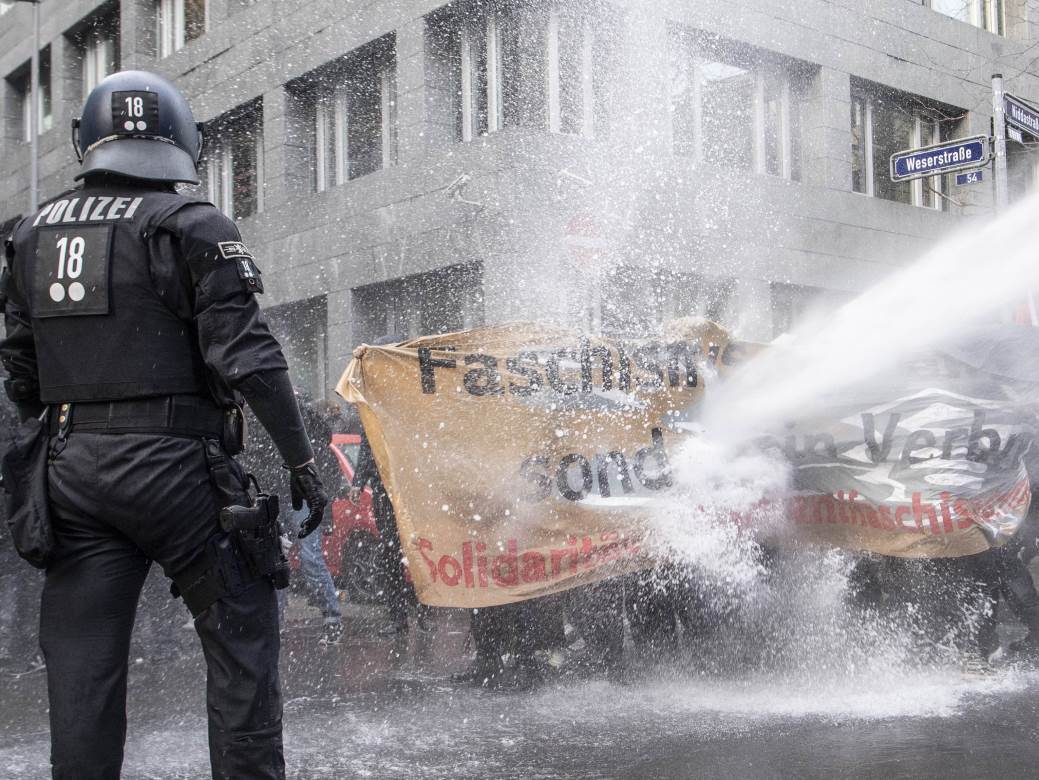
(212, 246)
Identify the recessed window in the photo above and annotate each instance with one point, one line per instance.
(571, 69)
(45, 106)
(440, 301)
(736, 108)
(488, 72)
(987, 14)
(232, 165)
(884, 122)
(348, 113)
(178, 22)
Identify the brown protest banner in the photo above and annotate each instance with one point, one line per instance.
(523, 460)
(509, 451)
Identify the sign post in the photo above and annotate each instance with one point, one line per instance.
(999, 143)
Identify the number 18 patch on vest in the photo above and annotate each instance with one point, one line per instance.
(71, 273)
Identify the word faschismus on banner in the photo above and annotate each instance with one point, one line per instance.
(972, 152)
(1022, 116)
(524, 460)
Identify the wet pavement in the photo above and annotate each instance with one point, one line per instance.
(371, 707)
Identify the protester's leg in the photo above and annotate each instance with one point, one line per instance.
(317, 578)
(392, 574)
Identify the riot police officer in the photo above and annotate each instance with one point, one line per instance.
(131, 318)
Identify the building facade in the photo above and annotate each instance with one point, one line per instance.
(415, 166)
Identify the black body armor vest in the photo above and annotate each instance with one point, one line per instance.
(102, 332)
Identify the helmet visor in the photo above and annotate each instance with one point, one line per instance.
(141, 158)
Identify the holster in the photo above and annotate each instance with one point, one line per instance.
(246, 548)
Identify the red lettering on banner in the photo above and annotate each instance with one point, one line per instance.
(423, 545)
(449, 579)
(510, 560)
(467, 564)
(481, 564)
(534, 567)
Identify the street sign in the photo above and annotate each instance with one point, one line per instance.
(969, 177)
(1021, 116)
(972, 152)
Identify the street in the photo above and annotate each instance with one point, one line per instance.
(367, 709)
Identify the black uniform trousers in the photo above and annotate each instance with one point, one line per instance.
(120, 501)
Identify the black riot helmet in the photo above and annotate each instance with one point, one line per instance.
(137, 124)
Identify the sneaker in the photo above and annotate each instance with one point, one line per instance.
(331, 634)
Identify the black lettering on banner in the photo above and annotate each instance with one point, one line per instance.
(659, 454)
(617, 457)
(879, 451)
(426, 364)
(922, 439)
(525, 364)
(552, 372)
(645, 358)
(563, 477)
(975, 451)
(687, 353)
(540, 482)
(71, 271)
(482, 381)
(624, 373)
(588, 356)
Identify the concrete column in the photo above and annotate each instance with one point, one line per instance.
(411, 91)
(137, 34)
(640, 100)
(341, 339)
(826, 130)
(276, 153)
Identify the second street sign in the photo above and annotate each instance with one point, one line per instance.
(1020, 115)
(963, 153)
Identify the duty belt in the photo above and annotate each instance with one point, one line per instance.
(175, 415)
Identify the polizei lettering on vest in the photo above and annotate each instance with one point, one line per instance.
(101, 208)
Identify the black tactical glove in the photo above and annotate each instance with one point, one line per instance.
(305, 485)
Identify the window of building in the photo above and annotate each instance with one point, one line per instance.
(736, 108)
(178, 22)
(488, 67)
(98, 43)
(884, 122)
(5, 7)
(987, 14)
(570, 43)
(45, 106)
(440, 301)
(349, 110)
(232, 165)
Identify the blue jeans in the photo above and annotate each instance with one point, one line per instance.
(317, 580)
